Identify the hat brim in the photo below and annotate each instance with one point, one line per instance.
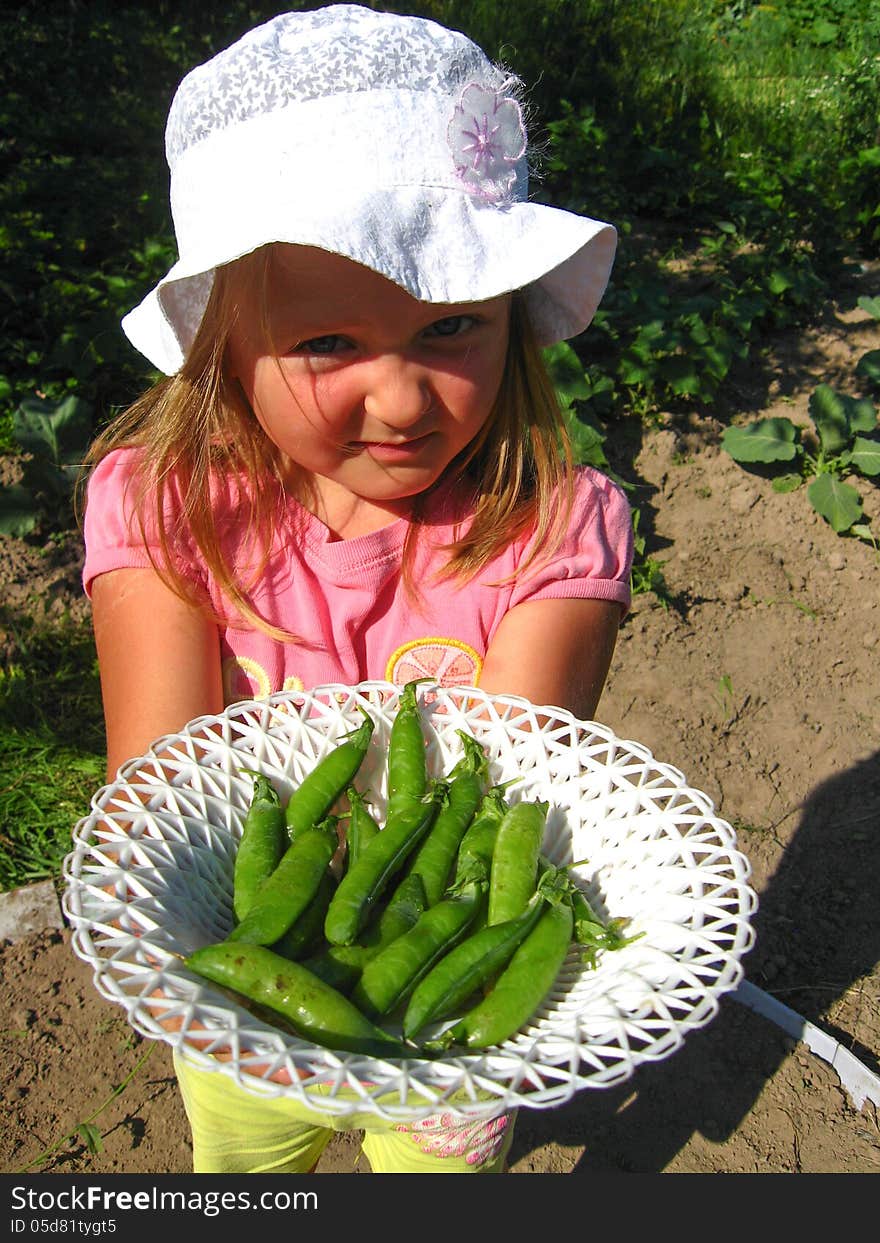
(439, 247)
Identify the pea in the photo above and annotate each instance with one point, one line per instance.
(305, 933)
(478, 844)
(515, 860)
(363, 884)
(521, 986)
(387, 979)
(466, 968)
(362, 826)
(311, 801)
(407, 758)
(315, 1011)
(434, 857)
(286, 894)
(341, 965)
(261, 846)
(399, 914)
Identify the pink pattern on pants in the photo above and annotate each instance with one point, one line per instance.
(442, 1135)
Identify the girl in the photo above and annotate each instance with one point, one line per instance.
(353, 467)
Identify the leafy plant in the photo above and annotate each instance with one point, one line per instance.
(54, 437)
(844, 441)
(578, 392)
(647, 571)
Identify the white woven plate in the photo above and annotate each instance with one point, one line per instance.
(150, 879)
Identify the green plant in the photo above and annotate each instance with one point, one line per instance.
(647, 571)
(579, 391)
(86, 1130)
(54, 436)
(844, 441)
(724, 695)
(53, 757)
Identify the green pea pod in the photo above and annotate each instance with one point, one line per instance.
(520, 988)
(478, 844)
(362, 826)
(261, 846)
(399, 914)
(407, 758)
(363, 885)
(387, 979)
(515, 860)
(467, 967)
(435, 856)
(283, 898)
(311, 801)
(341, 965)
(305, 933)
(315, 1011)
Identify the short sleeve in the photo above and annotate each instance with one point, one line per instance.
(112, 533)
(594, 559)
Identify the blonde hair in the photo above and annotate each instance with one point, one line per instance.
(195, 427)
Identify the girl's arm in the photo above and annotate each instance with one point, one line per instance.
(159, 659)
(554, 652)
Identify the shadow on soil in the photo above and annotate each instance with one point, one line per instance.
(818, 934)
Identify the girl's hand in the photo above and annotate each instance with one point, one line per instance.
(554, 652)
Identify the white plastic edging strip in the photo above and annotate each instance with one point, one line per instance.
(860, 1082)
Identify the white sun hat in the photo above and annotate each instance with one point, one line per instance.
(389, 140)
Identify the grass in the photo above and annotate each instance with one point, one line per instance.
(85, 1132)
(52, 757)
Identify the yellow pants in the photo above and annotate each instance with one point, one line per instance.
(237, 1132)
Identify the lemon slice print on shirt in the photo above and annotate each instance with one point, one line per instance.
(451, 662)
(244, 678)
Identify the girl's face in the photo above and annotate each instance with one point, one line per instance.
(368, 391)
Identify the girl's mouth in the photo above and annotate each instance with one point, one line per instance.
(393, 450)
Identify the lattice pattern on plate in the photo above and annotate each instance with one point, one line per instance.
(150, 879)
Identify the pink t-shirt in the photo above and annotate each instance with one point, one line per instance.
(346, 598)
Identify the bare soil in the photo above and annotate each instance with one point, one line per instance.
(759, 682)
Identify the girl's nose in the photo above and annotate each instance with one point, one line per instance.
(398, 392)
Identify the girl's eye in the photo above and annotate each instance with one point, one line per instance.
(319, 345)
(451, 326)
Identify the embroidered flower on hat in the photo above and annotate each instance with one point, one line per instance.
(487, 138)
